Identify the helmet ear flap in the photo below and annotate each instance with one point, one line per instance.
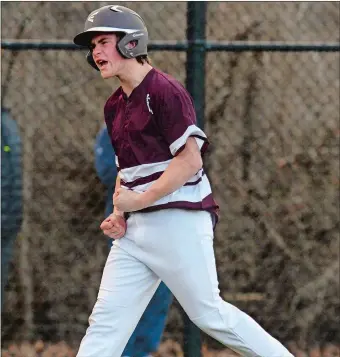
(91, 61)
(131, 52)
(119, 46)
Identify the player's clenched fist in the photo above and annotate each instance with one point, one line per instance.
(114, 226)
(128, 201)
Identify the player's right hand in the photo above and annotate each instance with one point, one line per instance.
(114, 226)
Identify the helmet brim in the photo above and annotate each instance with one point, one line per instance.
(85, 38)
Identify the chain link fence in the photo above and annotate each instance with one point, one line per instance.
(273, 121)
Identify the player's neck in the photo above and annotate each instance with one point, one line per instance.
(133, 76)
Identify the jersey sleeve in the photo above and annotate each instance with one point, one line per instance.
(177, 121)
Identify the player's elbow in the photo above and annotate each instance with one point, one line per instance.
(197, 162)
(195, 156)
(192, 156)
(194, 162)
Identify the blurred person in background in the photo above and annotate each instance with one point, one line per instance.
(11, 192)
(164, 211)
(147, 335)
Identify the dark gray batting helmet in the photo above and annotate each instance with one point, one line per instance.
(116, 19)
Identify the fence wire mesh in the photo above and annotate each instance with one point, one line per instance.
(273, 121)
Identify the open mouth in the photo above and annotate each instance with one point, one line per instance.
(101, 63)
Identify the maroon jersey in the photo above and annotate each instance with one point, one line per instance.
(147, 130)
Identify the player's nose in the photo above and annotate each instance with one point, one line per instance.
(96, 52)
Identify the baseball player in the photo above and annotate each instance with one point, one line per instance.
(164, 211)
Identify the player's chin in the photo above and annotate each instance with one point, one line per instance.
(107, 74)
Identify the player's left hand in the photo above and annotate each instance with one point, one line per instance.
(128, 201)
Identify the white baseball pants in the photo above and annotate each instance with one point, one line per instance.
(175, 246)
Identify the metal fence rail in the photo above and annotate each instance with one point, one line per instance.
(207, 46)
(271, 111)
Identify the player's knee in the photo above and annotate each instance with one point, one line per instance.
(204, 322)
(217, 316)
(106, 309)
(99, 313)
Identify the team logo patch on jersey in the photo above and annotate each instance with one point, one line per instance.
(148, 103)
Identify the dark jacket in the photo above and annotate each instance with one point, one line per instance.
(105, 165)
(11, 176)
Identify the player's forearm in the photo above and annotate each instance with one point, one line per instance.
(115, 210)
(180, 170)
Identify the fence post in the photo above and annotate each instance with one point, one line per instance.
(195, 84)
(195, 63)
